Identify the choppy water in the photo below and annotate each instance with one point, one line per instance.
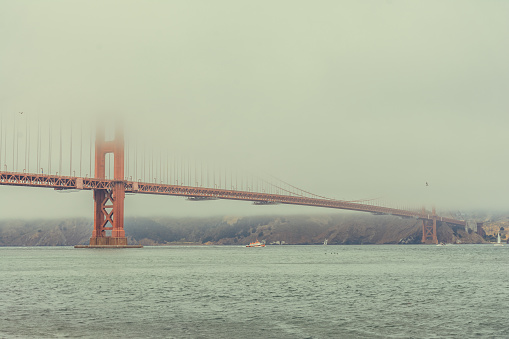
(274, 292)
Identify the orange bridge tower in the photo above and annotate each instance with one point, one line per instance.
(109, 203)
(429, 228)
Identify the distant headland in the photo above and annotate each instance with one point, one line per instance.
(339, 229)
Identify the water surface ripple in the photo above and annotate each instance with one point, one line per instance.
(459, 291)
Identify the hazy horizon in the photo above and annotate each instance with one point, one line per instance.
(346, 99)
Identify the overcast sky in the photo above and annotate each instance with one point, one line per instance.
(347, 99)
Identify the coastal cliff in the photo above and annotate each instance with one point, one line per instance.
(339, 229)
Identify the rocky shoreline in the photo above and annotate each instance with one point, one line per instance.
(338, 229)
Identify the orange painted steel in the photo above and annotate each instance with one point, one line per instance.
(429, 229)
(109, 202)
(59, 182)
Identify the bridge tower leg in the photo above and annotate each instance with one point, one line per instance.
(429, 228)
(109, 203)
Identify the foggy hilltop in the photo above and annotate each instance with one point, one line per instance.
(339, 229)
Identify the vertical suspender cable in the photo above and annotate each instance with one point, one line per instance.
(135, 159)
(126, 160)
(70, 154)
(138, 173)
(130, 169)
(38, 142)
(1, 137)
(26, 143)
(134, 148)
(5, 148)
(17, 150)
(90, 154)
(28, 149)
(14, 146)
(60, 158)
(49, 149)
(81, 145)
(126, 157)
(130, 166)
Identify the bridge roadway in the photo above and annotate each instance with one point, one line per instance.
(202, 193)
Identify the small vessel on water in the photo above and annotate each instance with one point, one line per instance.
(256, 244)
(498, 241)
(325, 241)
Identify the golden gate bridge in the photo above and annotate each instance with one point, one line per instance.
(44, 167)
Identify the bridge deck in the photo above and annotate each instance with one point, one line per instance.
(63, 182)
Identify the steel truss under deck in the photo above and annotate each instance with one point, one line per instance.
(202, 193)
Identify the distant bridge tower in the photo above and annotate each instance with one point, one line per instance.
(109, 203)
(429, 228)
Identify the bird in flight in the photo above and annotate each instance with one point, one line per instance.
(427, 183)
(20, 112)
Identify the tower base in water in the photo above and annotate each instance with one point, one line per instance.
(108, 242)
(108, 246)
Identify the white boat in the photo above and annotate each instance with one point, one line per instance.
(498, 241)
(325, 241)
